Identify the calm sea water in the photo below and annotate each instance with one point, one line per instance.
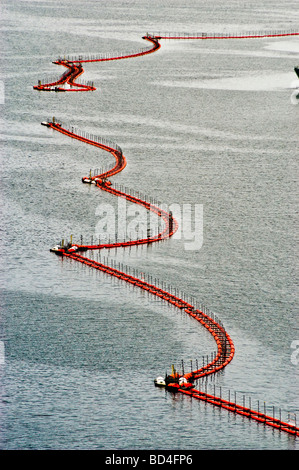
(200, 122)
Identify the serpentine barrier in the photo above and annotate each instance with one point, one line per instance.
(175, 381)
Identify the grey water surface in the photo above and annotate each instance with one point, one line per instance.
(207, 123)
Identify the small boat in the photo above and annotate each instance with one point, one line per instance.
(56, 249)
(88, 180)
(72, 249)
(160, 382)
(173, 381)
(297, 70)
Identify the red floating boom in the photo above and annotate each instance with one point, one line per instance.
(225, 347)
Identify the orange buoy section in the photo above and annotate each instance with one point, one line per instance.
(67, 81)
(225, 348)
